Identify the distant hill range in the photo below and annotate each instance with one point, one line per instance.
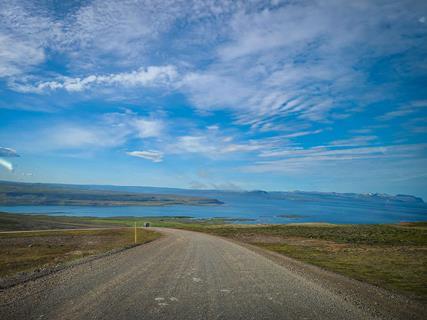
(15, 193)
(319, 196)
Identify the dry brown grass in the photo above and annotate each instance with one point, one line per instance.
(35, 250)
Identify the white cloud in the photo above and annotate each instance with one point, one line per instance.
(104, 32)
(143, 127)
(6, 164)
(211, 90)
(216, 143)
(98, 34)
(17, 56)
(148, 127)
(25, 34)
(268, 30)
(212, 145)
(155, 156)
(91, 35)
(151, 76)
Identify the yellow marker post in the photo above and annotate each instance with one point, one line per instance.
(135, 232)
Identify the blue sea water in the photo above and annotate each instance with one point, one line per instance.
(256, 208)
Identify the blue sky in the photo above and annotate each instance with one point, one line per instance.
(276, 95)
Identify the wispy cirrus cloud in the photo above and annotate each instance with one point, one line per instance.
(204, 145)
(213, 143)
(408, 109)
(293, 62)
(153, 155)
(354, 141)
(297, 160)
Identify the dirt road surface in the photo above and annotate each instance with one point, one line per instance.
(184, 275)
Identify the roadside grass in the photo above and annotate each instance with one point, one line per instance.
(354, 234)
(15, 222)
(30, 251)
(399, 269)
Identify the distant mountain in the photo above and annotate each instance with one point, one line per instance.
(331, 196)
(198, 196)
(408, 198)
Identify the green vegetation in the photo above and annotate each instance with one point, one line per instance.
(28, 251)
(12, 193)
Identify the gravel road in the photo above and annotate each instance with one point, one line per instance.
(183, 275)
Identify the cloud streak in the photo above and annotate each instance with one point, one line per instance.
(297, 160)
(6, 164)
(152, 76)
(213, 143)
(154, 156)
(410, 108)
